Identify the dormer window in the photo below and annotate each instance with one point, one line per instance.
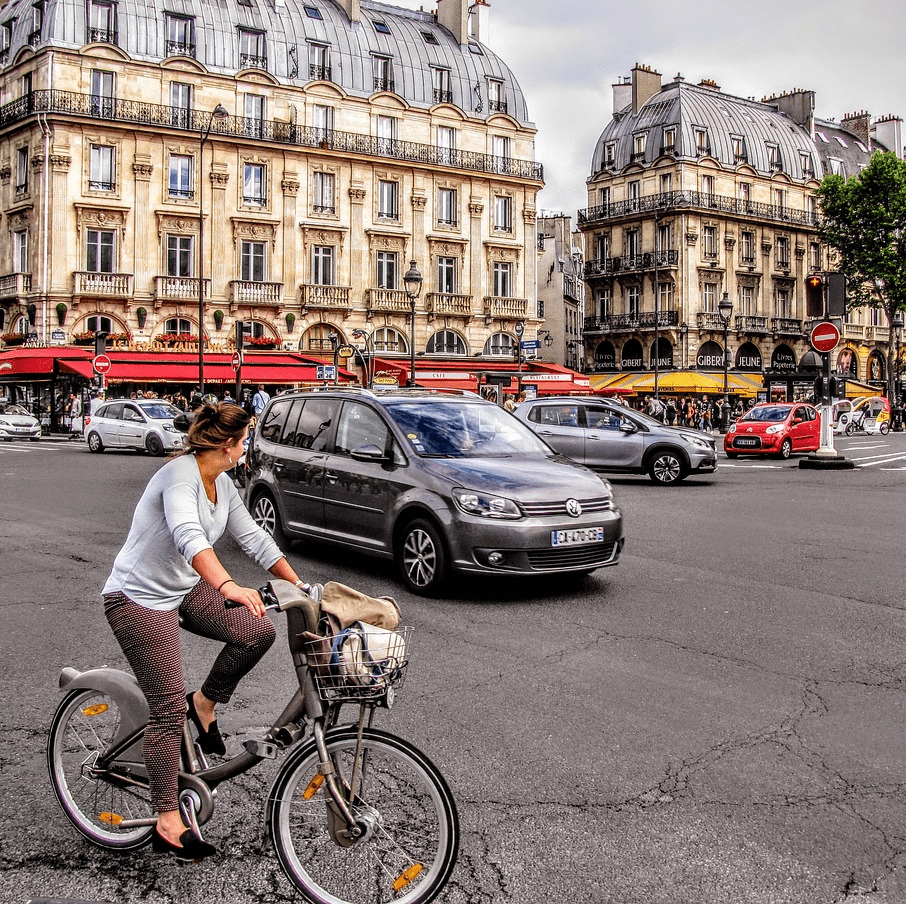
(638, 146)
(774, 161)
(252, 49)
(739, 148)
(381, 27)
(669, 140)
(610, 153)
(442, 84)
(702, 145)
(319, 62)
(430, 37)
(313, 12)
(101, 22)
(382, 67)
(180, 36)
(496, 96)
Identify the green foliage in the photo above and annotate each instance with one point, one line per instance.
(864, 220)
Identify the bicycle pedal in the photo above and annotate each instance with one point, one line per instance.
(264, 749)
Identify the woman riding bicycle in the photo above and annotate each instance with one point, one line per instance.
(167, 570)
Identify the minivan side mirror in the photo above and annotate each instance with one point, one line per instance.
(627, 428)
(368, 452)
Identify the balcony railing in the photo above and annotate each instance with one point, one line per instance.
(709, 320)
(72, 103)
(505, 308)
(318, 73)
(647, 261)
(383, 84)
(89, 283)
(15, 285)
(383, 300)
(329, 297)
(443, 97)
(268, 294)
(180, 48)
(746, 323)
(252, 61)
(101, 36)
(630, 323)
(178, 288)
(673, 200)
(497, 106)
(444, 303)
(786, 325)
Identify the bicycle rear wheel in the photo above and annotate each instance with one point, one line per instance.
(83, 727)
(411, 828)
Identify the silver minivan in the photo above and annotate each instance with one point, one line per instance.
(607, 436)
(440, 482)
(134, 424)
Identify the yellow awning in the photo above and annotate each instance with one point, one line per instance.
(679, 381)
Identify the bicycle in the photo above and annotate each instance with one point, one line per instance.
(858, 426)
(356, 815)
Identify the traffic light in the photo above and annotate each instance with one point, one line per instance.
(240, 331)
(814, 296)
(836, 295)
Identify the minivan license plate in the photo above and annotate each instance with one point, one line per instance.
(577, 536)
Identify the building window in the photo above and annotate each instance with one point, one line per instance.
(784, 303)
(501, 345)
(252, 49)
(665, 296)
(319, 62)
(446, 342)
(254, 106)
(632, 243)
(805, 161)
(181, 105)
(322, 120)
(180, 255)
(382, 69)
(746, 301)
(604, 301)
(322, 269)
(503, 213)
(21, 170)
(102, 94)
(446, 144)
(6, 39)
(702, 145)
(744, 192)
(387, 339)
(709, 297)
(500, 148)
(739, 148)
(180, 36)
(101, 22)
(388, 199)
(446, 275)
(814, 255)
(780, 199)
(783, 253)
(252, 262)
(707, 184)
(610, 152)
(313, 12)
(633, 301)
(100, 246)
(496, 96)
(99, 324)
(836, 166)
(387, 269)
(664, 237)
(179, 326)
(634, 194)
(446, 206)
(254, 185)
(709, 242)
(638, 146)
(774, 162)
(503, 279)
(181, 177)
(669, 145)
(382, 28)
(442, 84)
(20, 251)
(324, 189)
(385, 127)
(102, 168)
(603, 246)
(747, 247)
(666, 183)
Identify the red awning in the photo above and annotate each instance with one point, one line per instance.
(556, 387)
(81, 367)
(471, 385)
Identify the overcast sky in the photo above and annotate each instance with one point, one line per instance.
(566, 55)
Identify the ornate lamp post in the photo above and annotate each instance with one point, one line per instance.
(413, 283)
(369, 350)
(897, 400)
(725, 310)
(220, 113)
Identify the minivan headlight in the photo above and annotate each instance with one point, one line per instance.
(170, 428)
(695, 441)
(485, 505)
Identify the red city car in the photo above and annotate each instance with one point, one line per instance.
(775, 428)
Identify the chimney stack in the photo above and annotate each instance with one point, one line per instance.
(454, 16)
(645, 84)
(798, 105)
(352, 9)
(860, 125)
(622, 94)
(888, 131)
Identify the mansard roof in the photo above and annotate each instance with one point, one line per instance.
(413, 40)
(691, 109)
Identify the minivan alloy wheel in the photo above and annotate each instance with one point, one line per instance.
(423, 561)
(666, 467)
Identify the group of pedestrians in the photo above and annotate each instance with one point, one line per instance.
(688, 411)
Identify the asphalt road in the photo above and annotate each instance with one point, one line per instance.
(717, 719)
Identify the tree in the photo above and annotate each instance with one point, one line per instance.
(864, 220)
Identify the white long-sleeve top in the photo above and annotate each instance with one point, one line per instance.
(173, 522)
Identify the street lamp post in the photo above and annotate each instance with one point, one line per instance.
(413, 283)
(897, 400)
(220, 113)
(369, 350)
(725, 310)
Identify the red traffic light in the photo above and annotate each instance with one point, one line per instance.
(814, 295)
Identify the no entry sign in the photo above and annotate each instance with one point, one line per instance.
(825, 337)
(101, 364)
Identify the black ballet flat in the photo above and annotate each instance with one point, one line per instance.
(210, 741)
(192, 848)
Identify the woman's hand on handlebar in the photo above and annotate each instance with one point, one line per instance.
(243, 596)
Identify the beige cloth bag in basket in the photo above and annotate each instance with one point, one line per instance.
(348, 605)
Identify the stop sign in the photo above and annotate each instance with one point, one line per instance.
(101, 364)
(824, 337)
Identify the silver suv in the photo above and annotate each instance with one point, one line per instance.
(607, 436)
(438, 481)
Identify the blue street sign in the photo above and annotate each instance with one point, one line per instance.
(326, 372)
(530, 343)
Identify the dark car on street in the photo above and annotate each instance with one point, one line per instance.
(607, 436)
(437, 481)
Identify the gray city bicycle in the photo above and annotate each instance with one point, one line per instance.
(356, 815)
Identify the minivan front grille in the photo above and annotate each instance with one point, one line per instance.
(541, 509)
(592, 556)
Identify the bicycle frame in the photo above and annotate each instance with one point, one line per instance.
(123, 761)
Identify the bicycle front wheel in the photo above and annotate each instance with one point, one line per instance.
(884, 427)
(411, 830)
(84, 726)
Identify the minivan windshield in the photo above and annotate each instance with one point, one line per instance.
(160, 411)
(463, 430)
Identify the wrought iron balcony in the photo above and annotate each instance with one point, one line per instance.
(180, 48)
(327, 297)
(443, 97)
(503, 308)
(252, 61)
(692, 200)
(447, 304)
(630, 323)
(15, 285)
(260, 294)
(319, 73)
(383, 84)
(786, 326)
(647, 261)
(101, 36)
(72, 103)
(497, 106)
(106, 284)
(710, 320)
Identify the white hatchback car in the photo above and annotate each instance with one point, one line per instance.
(134, 424)
(17, 423)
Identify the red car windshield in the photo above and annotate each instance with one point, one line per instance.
(768, 413)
